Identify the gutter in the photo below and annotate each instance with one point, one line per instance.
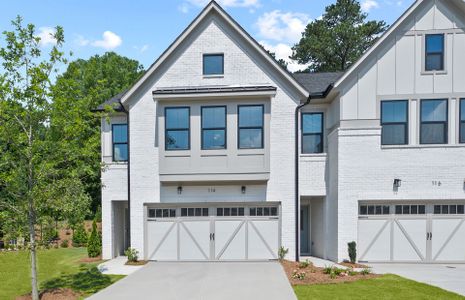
(128, 220)
(297, 193)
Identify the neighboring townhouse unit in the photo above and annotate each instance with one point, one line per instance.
(217, 153)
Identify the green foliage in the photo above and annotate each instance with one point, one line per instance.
(79, 236)
(304, 264)
(335, 41)
(365, 271)
(132, 254)
(327, 270)
(98, 214)
(300, 275)
(280, 61)
(282, 252)
(64, 244)
(94, 244)
(352, 249)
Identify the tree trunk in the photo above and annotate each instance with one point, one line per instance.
(32, 239)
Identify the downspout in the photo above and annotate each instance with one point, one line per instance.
(297, 195)
(128, 220)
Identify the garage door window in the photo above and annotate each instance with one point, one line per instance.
(263, 211)
(374, 210)
(410, 209)
(447, 209)
(194, 212)
(230, 211)
(162, 213)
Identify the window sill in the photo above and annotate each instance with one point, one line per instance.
(324, 154)
(443, 72)
(425, 146)
(213, 76)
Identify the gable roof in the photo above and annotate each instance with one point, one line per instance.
(317, 84)
(213, 6)
(114, 102)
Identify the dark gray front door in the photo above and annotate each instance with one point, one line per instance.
(304, 249)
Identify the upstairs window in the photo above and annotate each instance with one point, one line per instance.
(434, 52)
(434, 122)
(462, 120)
(394, 122)
(312, 133)
(177, 128)
(120, 142)
(213, 127)
(213, 64)
(250, 126)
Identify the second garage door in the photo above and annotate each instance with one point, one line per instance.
(213, 233)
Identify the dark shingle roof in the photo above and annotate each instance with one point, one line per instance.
(212, 89)
(317, 83)
(114, 102)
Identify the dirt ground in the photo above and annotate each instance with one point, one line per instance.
(55, 294)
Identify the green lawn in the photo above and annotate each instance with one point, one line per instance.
(57, 268)
(385, 287)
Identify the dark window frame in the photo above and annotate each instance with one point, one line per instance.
(442, 53)
(446, 122)
(225, 128)
(321, 134)
(406, 123)
(461, 122)
(250, 127)
(179, 129)
(209, 55)
(119, 143)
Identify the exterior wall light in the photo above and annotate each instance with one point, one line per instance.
(179, 190)
(397, 183)
(243, 189)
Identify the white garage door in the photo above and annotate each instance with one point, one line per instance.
(411, 233)
(213, 233)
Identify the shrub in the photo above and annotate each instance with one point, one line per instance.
(282, 252)
(300, 275)
(132, 254)
(365, 271)
(98, 214)
(79, 236)
(352, 249)
(304, 264)
(352, 273)
(94, 244)
(64, 244)
(327, 270)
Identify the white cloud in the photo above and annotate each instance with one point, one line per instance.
(282, 26)
(46, 36)
(368, 5)
(81, 41)
(283, 51)
(109, 41)
(227, 3)
(184, 8)
(141, 49)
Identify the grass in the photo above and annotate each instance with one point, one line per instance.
(384, 287)
(56, 268)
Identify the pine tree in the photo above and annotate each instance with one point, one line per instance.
(94, 244)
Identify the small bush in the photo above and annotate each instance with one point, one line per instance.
(79, 236)
(132, 254)
(64, 244)
(304, 264)
(352, 273)
(98, 214)
(352, 249)
(300, 275)
(94, 244)
(327, 270)
(365, 271)
(338, 271)
(282, 252)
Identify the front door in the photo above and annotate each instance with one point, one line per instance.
(304, 232)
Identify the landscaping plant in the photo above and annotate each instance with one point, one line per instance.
(304, 264)
(79, 236)
(352, 249)
(282, 252)
(132, 254)
(300, 275)
(64, 244)
(94, 244)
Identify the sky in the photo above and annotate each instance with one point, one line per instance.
(143, 29)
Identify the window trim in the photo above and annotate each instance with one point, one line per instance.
(461, 122)
(203, 64)
(250, 127)
(406, 123)
(225, 128)
(446, 122)
(443, 53)
(179, 129)
(302, 134)
(119, 143)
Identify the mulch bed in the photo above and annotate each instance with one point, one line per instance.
(54, 294)
(90, 259)
(136, 263)
(353, 265)
(315, 275)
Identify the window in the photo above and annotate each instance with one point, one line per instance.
(162, 213)
(447, 209)
(410, 209)
(250, 126)
(434, 121)
(374, 210)
(394, 122)
(213, 64)
(214, 127)
(263, 211)
(312, 133)
(462, 120)
(177, 133)
(434, 52)
(230, 211)
(120, 142)
(194, 212)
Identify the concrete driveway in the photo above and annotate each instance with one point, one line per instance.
(203, 280)
(449, 277)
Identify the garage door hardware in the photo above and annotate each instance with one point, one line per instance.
(429, 236)
(212, 236)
